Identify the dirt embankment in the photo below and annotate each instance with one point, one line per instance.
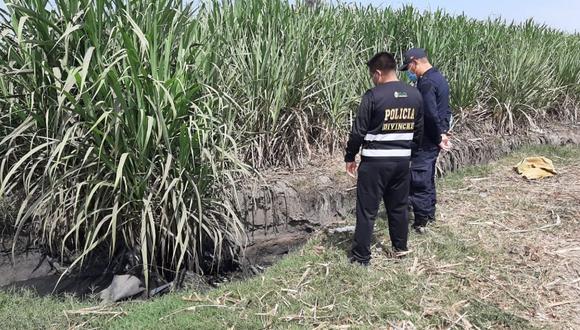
(285, 207)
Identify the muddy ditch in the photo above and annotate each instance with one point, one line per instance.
(282, 209)
(41, 274)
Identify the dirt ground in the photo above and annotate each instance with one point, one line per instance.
(532, 228)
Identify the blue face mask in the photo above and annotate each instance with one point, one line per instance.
(412, 77)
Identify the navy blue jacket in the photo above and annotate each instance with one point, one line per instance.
(437, 113)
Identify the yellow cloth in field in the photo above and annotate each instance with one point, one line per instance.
(533, 168)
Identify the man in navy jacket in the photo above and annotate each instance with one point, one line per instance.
(437, 115)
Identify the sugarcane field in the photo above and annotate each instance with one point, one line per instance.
(289, 164)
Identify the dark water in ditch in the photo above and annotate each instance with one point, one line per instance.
(33, 271)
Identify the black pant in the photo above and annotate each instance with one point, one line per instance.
(422, 194)
(381, 180)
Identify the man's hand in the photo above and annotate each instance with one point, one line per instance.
(351, 169)
(445, 142)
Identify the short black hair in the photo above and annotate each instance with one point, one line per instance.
(383, 61)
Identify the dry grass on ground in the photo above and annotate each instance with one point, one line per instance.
(504, 254)
(531, 228)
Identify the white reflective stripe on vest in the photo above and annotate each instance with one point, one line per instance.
(389, 137)
(386, 153)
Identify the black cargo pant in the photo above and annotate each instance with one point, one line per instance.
(388, 181)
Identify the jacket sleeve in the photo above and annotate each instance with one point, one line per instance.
(432, 121)
(359, 127)
(418, 127)
(445, 113)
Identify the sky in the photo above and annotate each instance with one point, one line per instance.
(560, 14)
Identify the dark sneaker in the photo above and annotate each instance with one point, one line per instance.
(360, 263)
(420, 224)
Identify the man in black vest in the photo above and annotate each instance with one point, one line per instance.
(388, 126)
(435, 91)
